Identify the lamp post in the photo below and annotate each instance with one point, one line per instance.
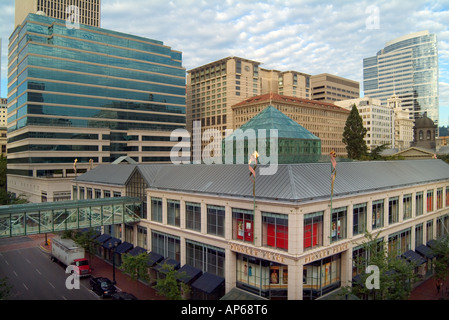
(113, 247)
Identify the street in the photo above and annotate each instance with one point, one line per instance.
(33, 276)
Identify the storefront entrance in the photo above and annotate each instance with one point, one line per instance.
(262, 277)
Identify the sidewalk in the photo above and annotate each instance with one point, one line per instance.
(428, 291)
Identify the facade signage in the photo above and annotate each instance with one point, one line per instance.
(256, 252)
(326, 252)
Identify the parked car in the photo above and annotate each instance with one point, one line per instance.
(123, 296)
(102, 286)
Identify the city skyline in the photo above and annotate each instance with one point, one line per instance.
(305, 36)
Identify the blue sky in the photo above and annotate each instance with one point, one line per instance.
(306, 36)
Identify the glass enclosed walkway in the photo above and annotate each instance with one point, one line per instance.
(33, 218)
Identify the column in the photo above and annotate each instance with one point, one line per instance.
(295, 281)
(230, 270)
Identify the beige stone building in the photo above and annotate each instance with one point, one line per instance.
(89, 11)
(292, 242)
(330, 88)
(403, 124)
(325, 120)
(213, 89)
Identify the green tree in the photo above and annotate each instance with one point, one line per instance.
(5, 289)
(353, 135)
(136, 266)
(395, 276)
(87, 241)
(168, 286)
(441, 263)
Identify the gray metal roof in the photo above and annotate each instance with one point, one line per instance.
(292, 182)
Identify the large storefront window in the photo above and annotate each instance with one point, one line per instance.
(399, 242)
(359, 219)
(205, 257)
(275, 230)
(378, 214)
(262, 277)
(166, 245)
(242, 225)
(321, 277)
(338, 224)
(313, 230)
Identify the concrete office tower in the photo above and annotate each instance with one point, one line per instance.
(89, 94)
(330, 88)
(377, 119)
(407, 67)
(88, 10)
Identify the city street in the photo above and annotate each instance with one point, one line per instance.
(33, 276)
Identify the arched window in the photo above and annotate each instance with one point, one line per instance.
(420, 135)
(428, 134)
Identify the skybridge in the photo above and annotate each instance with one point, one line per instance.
(48, 217)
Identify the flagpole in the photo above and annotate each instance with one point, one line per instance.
(333, 174)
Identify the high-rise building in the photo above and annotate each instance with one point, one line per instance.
(407, 67)
(89, 94)
(330, 88)
(83, 11)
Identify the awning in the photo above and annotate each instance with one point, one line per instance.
(208, 282)
(137, 250)
(124, 247)
(239, 294)
(154, 258)
(171, 262)
(414, 258)
(111, 242)
(425, 251)
(188, 274)
(103, 238)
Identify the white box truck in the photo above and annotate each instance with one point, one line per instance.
(69, 253)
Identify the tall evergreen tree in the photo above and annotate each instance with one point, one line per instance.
(353, 135)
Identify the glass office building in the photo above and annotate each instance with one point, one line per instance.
(407, 67)
(89, 94)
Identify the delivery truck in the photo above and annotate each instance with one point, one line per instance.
(67, 252)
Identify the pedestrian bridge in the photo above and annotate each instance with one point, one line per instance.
(47, 217)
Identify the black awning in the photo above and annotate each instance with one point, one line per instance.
(124, 247)
(414, 258)
(111, 242)
(188, 274)
(154, 258)
(137, 250)
(103, 238)
(425, 251)
(171, 262)
(208, 283)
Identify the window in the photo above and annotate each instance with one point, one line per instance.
(442, 225)
(97, 193)
(205, 257)
(407, 206)
(338, 224)
(319, 277)
(439, 198)
(399, 243)
(419, 236)
(142, 237)
(242, 225)
(275, 230)
(166, 245)
(173, 213)
(107, 193)
(193, 216)
(429, 200)
(378, 214)
(359, 219)
(215, 220)
(393, 210)
(156, 209)
(429, 230)
(313, 230)
(419, 204)
(447, 196)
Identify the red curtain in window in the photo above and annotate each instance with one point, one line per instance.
(310, 235)
(277, 236)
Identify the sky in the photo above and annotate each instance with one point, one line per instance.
(308, 36)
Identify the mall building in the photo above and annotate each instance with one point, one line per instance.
(290, 241)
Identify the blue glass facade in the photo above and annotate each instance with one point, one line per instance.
(408, 67)
(94, 84)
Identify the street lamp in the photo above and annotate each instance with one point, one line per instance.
(113, 247)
